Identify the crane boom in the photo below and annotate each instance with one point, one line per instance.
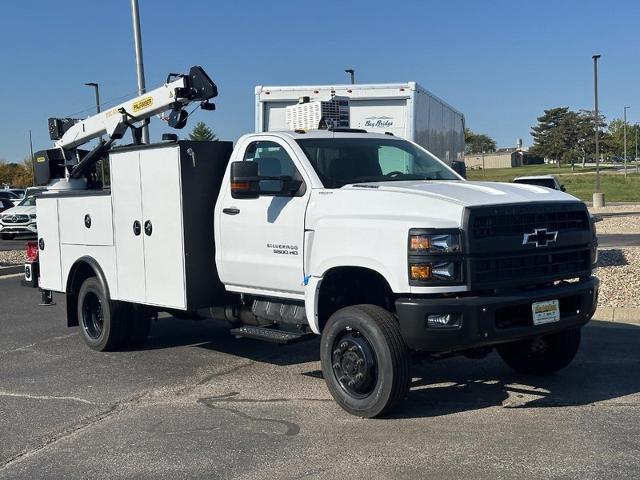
(173, 95)
(65, 165)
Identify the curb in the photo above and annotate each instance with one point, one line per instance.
(618, 315)
(12, 270)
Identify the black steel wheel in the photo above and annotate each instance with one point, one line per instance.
(364, 359)
(542, 355)
(100, 319)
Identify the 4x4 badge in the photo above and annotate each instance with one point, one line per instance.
(540, 237)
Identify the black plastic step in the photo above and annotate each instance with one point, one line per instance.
(270, 334)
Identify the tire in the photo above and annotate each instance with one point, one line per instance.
(541, 355)
(102, 322)
(364, 359)
(7, 236)
(138, 325)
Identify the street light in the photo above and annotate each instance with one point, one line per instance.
(625, 141)
(598, 196)
(137, 43)
(352, 74)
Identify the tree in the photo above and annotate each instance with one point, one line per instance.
(202, 132)
(555, 133)
(478, 142)
(15, 174)
(613, 143)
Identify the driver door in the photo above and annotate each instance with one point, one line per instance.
(261, 239)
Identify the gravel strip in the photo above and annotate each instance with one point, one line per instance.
(11, 257)
(635, 207)
(622, 224)
(619, 273)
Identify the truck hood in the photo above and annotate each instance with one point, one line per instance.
(467, 194)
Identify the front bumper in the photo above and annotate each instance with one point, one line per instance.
(489, 320)
(19, 229)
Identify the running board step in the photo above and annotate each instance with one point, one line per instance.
(273, 335)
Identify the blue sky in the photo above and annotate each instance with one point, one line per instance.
(499, 62)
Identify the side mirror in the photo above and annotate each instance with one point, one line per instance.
(563, 188)
(460, 168)
(245, 180)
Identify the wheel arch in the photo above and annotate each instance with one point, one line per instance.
(347, 285)
(83, 268)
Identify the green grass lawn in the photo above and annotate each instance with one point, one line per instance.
(581, 183)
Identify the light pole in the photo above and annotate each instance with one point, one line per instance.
(598, 196)
(636, 156)
(352, 74)
(97, 92)
(625, 141)
(137, 43)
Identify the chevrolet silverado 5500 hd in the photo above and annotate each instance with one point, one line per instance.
(365, 239)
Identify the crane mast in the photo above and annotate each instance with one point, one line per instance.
(66, 166)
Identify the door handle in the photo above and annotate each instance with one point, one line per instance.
(231, 211)
(148, 228)
(136, 228)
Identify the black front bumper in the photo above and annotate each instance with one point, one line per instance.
(493, 319)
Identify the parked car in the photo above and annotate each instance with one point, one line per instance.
(548, 181)
(9, 195)
(18, 191)
(5, 204)
(19, 220)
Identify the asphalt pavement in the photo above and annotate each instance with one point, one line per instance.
(196, 403)
(18, 243)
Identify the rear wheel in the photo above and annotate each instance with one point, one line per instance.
(101, 320)
(365, 361)
(542, 355)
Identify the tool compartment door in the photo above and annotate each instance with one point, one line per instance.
(126, 197)
(49, 244)
(162, 227)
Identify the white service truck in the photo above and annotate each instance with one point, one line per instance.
(406, 110)
(363, 238)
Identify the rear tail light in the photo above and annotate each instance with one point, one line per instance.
(32, 252)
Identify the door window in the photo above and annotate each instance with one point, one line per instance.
(273, 161)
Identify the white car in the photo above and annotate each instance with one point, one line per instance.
(19, 220)
(548, 181)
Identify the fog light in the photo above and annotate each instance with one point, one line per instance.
(444, 320)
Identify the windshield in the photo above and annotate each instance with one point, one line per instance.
(28, 201)
(341, 161)
(540, 182)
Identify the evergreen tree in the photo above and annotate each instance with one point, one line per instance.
(555, 133)
(202, 132)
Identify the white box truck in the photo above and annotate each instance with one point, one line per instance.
(406, 110)
(363, 238)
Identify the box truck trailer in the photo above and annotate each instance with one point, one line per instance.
(406, 110)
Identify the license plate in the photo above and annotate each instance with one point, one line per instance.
(545, 312)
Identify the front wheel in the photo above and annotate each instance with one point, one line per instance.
(364, 359)
(541, 355)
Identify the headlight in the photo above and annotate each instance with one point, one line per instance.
(434, 242)
(435, 257)
(436, 271)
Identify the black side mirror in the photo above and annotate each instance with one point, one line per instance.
(460, 168)
(245, 180)
(563, 188)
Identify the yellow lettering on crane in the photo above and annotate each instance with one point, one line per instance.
(143, 103)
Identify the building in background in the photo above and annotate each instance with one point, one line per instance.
(509, 157)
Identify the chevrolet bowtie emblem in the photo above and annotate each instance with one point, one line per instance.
(540, 237)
